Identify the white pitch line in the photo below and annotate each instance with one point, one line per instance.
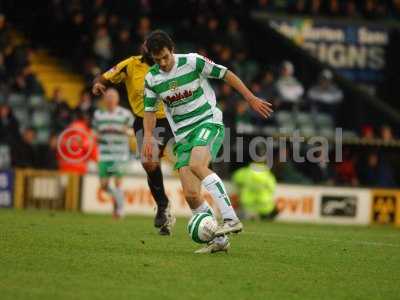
(305, 238)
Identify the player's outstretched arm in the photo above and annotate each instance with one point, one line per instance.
(149, 123)
(263, 107)
(115, 75)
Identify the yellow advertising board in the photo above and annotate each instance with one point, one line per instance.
(385, 206)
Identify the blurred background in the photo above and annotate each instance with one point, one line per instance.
(323, 63)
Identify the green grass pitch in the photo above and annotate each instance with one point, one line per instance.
(47, 255)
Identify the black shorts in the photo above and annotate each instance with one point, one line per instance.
(162, 133)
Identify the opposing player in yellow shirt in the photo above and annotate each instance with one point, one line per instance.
(131, 72)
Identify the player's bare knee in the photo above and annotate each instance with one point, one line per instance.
(150, 166)
(196, 167)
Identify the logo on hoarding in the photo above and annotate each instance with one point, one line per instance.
(339, 206)
(295, 205)
(384, 207)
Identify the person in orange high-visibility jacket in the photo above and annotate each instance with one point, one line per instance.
(76, 147)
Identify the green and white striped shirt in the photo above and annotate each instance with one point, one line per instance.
(188, 98)
(111, 133)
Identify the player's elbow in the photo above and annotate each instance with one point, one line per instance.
(228, 75)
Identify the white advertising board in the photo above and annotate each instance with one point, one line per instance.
(315, 204)
(323, 204)
(138, 199)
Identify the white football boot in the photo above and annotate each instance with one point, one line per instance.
(218, 244)
(229, 226)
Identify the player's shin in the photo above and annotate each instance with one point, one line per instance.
(118, 196)
(156, 185)
(216, 188)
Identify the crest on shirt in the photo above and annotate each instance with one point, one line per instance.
(173, 85)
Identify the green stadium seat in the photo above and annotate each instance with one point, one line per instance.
(287, 129)
(307, 130)
(41, 118)
(36, 101)
(269, 130)
(43, 135)
(303, 119)
(251, 69)
(22, 115)
(327, 132)
(16, 100)
(323, 120)
(283, 118)
(349, 134)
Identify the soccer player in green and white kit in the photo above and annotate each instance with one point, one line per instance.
(181, 82)
(112, 126)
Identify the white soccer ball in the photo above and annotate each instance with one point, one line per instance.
(202, 227)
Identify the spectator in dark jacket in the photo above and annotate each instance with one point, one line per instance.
(376, 172)
(48, 154)
(320, 170)
(123, 47)
(24, 154)
(86, 105)
(325, 96)
(61, 113)
(26, 83)
(9, 126)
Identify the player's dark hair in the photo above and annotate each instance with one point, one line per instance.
(146, 56)
(158, 40)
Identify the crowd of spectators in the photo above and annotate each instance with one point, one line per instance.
(16, 76)
(98, 37)
(366, 168)
(15, 71)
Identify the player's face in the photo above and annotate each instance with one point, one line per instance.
(164, 59)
